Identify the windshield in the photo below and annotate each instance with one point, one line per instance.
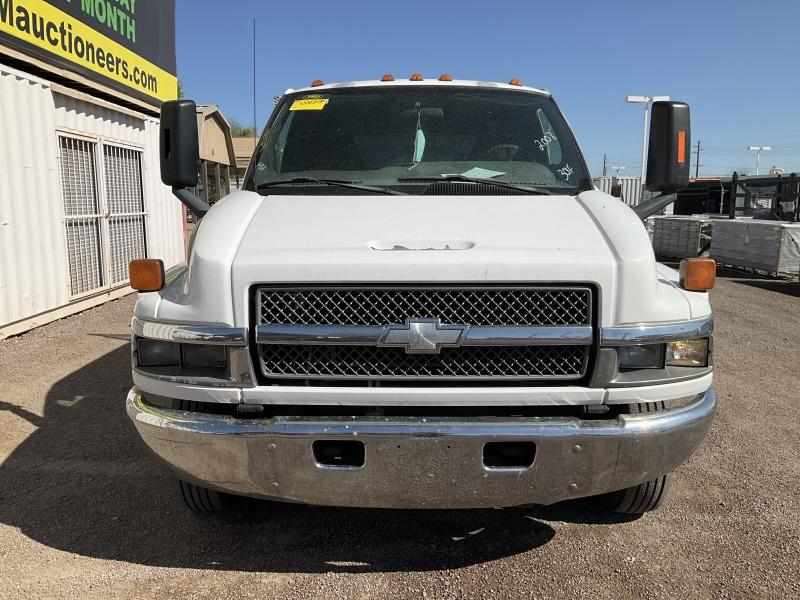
(398, 136)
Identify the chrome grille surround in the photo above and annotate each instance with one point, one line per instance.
(510, 310)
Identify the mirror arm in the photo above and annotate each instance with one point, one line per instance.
(652, 206)
(195, 205)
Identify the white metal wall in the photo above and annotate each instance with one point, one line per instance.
(603, 184)
(630, 187)
(164, 226)
(34, 274)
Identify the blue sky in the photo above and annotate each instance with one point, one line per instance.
(735, 63)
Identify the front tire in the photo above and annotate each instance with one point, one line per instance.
(640, 498)
(648, 495)
(199, 499)
(195, 498)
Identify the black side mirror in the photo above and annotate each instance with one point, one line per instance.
(180, 151)
(668, 154)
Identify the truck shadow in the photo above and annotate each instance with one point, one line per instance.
(789, 288)
(83, 483)
(781, 285)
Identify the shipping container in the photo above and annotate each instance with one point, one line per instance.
(80, 196)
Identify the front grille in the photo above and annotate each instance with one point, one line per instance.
(521, 306)
(365, 362)
(453, 306)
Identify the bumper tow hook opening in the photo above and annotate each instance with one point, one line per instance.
(508, 455)
(339, 453)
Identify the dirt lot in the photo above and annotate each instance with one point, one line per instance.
(84, 513)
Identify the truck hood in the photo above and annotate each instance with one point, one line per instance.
(428, 238)
(591, 238)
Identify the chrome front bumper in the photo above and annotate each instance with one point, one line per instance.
(421, 463)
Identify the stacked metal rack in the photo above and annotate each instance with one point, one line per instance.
(681, 236)
(770, 246)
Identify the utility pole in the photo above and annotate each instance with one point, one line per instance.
(697, 164)
(255, 119)
(605, 165)
(647, 101)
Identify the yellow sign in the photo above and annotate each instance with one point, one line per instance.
(48, 28)
(309, 104)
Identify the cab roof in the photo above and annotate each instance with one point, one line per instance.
(424, 83)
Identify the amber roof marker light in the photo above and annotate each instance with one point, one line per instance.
(387, 77)
(515, 82)
(416, 77)
(445, 77)
(317, 83)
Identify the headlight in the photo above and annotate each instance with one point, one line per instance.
(650, 356)
(203, 356)
(156, 353)
(687, 353)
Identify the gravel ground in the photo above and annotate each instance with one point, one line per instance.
(84, 513)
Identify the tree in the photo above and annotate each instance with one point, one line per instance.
(238, 130)
(180, 90)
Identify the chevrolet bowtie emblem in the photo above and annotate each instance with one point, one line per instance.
(422, 336)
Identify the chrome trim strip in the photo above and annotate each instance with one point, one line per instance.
(579, 335)
(180, 390)
(418, 462)
(185, 379)
(337, 335)
(652, 334)
(190, 334)
(473, 395)
(344, 335)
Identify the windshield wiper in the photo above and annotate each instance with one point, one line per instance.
(335, 182)
(482, 180)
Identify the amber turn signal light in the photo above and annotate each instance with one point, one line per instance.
(147, 274)
(698, 274)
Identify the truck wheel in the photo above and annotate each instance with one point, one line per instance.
(640, 498)
(200, 499)
(646, 496)
(196, 498)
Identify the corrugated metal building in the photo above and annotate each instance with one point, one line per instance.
(80, 196)
(80, 188)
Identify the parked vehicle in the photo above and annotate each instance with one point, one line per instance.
(419, 300)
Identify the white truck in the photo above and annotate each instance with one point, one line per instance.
(420, 300)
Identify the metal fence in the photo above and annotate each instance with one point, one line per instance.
(104, 211)
(774, 197)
